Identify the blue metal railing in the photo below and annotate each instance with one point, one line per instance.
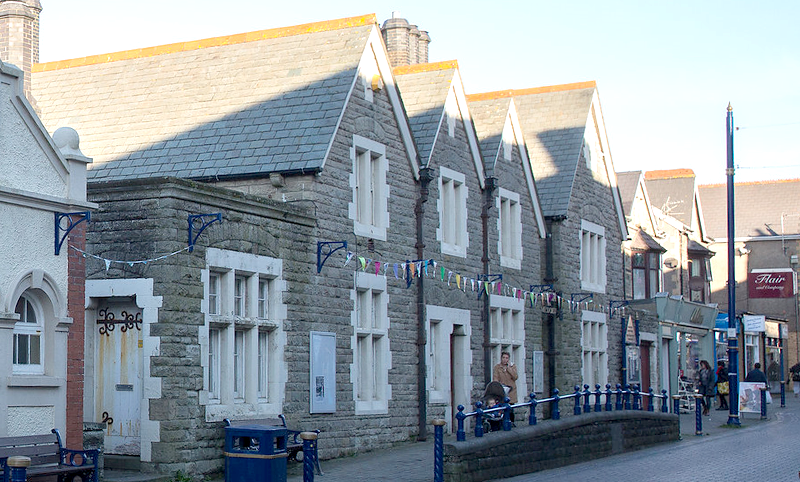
(628, 399)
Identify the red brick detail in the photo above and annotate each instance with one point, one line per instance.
(76, 290)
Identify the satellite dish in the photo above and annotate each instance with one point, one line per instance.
(671, 263)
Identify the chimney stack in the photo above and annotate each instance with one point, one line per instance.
(19, 36)
(405, 43)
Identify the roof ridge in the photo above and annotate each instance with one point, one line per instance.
(746, 183)
(533, 90)
(306, 28)
(668, 174)
(429, 67)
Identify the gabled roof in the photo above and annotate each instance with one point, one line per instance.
(675, 193)
(492, 117)
(554, 120)
(631, 186)
(34, 170)
(426, 90)
(240, 105)
(762, 209)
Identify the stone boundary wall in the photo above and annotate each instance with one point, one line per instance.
(555, 443)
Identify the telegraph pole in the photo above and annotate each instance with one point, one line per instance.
(733, 360)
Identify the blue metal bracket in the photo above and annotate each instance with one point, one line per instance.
(548, 288)
(614, 304)
(203, 221)
(329, 247)
(62, 229)
(491, 278)
(581, 297)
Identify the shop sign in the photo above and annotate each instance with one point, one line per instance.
(777, 283)
(754, 323)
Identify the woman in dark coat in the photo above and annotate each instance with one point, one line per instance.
(705, 384)
(722, 377)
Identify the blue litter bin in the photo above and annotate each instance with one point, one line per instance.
(255, 453)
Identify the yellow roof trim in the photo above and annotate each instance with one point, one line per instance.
(535, 90)
(418, 68)
(324, 26)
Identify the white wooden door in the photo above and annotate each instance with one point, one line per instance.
(119, 377)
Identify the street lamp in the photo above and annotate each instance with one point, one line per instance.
(733, 360)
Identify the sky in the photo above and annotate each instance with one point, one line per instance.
(665, 71)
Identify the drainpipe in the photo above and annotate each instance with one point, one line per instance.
(550, 278)
(488, 202)
(425, 177)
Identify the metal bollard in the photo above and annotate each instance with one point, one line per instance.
(478, 422)
(651, 406)
(587, 405)
(609, 407)
(532, 415)
(18, 468)
(507, 415)
(676, 404)
(618, 405)
(555, 413)
(460, 434)
(698, 414)
(598, 407)
(664, 404)
(783, 394)
(308, 459)
(438, 450)
(763, 402)
(577, 409)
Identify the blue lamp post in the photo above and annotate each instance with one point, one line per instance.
(733, 360)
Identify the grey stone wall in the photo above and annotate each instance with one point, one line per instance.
(556, 443)
(591, 201)
(145, 219)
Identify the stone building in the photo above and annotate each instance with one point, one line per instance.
(42, 197)
(576, 183)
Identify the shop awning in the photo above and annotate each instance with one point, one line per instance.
(675, 309)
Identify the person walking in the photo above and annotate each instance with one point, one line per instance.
(705, 385)
(795, 377)
(723, 387)
(756, 375)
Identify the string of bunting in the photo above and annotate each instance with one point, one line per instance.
(430, 268)
(129, 263)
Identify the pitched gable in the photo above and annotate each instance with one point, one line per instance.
(555, 121)
(433, 96)
(32, 165)
(498, 128)
(636, 200)
(243, 105)
(674, 192)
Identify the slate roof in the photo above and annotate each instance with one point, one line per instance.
(673, 192)
(240, 105)
(553, 122)
(490, 119)
(643, 241)
(767, 208)
(628, 182)
(424, 92)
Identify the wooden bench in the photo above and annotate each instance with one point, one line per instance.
(49, 458)
(294, 444)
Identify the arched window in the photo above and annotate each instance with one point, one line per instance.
(28, 337)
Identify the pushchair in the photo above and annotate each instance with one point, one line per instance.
(494, 396)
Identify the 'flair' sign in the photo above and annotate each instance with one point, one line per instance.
(777, 283)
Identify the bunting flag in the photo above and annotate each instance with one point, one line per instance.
(107, 262)
(430, 268)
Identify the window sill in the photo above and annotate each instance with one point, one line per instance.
(34, 381)
(511, 263)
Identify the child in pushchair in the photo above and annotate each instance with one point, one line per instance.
(493, 397)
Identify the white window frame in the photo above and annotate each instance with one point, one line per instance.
(594, 348)
(243, 367)
(369, 372)
(509, 229)
(29, 329)
(507, 334)
(452, 207)
(369, 207)
(593, 257)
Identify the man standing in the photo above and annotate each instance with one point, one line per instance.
(756, 375)
(506, 373)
